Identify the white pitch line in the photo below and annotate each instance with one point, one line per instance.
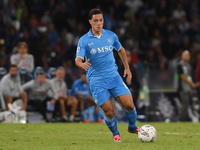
(175, 133)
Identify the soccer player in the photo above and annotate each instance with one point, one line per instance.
(96, 47)
(60, 89)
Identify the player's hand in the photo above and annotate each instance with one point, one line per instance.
(53, 101)
(129, 75)
(86, 65)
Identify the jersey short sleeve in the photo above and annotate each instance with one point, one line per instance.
(80, 51)
(116, 44)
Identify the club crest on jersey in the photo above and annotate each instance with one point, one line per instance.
(109, 40)
(93, 51)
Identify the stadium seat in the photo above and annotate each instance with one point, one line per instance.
(3, 72)
(39, 68)
(51, 73)
(24, 75)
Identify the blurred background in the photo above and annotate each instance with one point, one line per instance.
(155, 32)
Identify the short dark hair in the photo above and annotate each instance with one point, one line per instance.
(94, 12)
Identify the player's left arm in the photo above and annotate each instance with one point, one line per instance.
(122, 55)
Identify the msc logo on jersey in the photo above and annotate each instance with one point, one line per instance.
(93, 51)
(105, 49)
(78, 49)
(109, 40)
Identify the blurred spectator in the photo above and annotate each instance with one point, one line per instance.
(46, 19)
(179, 12)
(81, 90)
(11, 10)
(62, 100)
(185, 85)
(38, 93)
(22, 59)
(184, 24)
(135, 5)
(11, 88)
(20, 9)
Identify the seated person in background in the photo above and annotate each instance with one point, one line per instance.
(22, 59)
(60, 91)
(38, 93)
(11, 88)
(81, 90)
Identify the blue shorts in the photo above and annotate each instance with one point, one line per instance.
(102, 91)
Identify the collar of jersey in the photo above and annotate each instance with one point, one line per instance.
(90, 34)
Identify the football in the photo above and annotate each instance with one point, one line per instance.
(147, 133)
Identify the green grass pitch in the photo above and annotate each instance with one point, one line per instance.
(95, 136)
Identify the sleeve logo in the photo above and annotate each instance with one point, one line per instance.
(78, 49)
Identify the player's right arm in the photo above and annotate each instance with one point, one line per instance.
(84, 65)
(80, 54)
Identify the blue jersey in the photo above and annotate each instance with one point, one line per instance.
(79, 88)
(100, 52)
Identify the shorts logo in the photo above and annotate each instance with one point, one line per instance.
(93, 51)
(78, 49)
(109, 40)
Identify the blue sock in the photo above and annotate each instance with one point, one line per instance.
(131, 116)
(112, 125)
(83, 115)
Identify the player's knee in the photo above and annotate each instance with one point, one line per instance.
(130, 107)
(109, 114)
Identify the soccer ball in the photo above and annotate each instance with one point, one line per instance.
(147, 133)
